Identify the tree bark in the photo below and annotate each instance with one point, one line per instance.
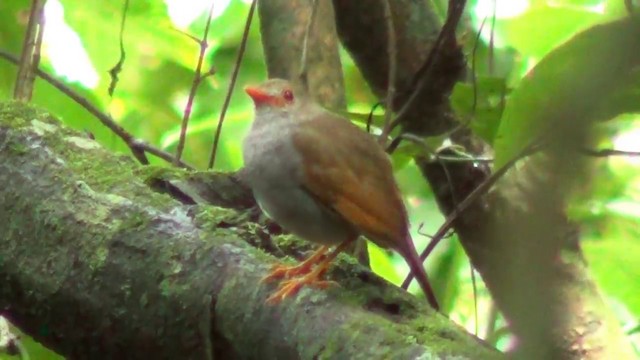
(95, 264)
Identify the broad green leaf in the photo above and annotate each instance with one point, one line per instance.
(570, 83)
(481, 107)
(614, 264)
(148, 32)
(446, 276)
(543, 27)
(624, 99)
(33, 349)
(382, 265)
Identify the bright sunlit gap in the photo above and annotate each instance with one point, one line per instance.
(64, 49)
(503, 9)
(629, 141)
(185, 12)
(597, 8)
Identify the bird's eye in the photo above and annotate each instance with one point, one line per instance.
(287, 95)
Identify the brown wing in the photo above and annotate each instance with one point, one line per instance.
(348, 171)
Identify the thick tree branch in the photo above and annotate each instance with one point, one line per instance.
(361, 26)
(94, 264)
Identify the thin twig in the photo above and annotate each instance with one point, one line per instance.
(492, 318)
(423, 75)
(452, 159)
(134, 144)
(370, 117)
(474, 74)
(232, 83)
(474, 287)
(609, 152)
(491, 57)
(117, 68)
(470, 199)
(30, 57)
(304, 58)
(391, 77)
(194, 86)
(498, 334)
(443, 158)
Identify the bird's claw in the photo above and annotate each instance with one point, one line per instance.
(285, 272)
(292, 286)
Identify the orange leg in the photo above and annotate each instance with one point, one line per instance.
(313, 278)
(283, 271)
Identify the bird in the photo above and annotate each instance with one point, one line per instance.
(325, 180)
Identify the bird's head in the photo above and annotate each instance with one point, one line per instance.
(273, 94)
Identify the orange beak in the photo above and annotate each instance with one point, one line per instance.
(259, 96)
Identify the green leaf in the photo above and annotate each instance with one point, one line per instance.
(570, 83)
(148, 31)
(615, 265)
(382, 265)
(551, 25)
(481, 107)
(624, 99)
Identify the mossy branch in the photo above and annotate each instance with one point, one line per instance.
(95, 264)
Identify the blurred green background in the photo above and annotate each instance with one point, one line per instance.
(81, 45)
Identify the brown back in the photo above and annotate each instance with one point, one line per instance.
(346, 170)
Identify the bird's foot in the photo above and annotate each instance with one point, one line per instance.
(310, 277)
(280, 271)
(292, 286)
(283, 271)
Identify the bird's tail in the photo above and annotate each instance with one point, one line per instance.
(417, 269)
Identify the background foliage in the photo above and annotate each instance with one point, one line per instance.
(82, 45)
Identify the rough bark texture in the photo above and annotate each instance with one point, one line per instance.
(362, 29)
(95, 264)
(527, 255)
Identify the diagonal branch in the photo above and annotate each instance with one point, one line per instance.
(197, 78)
(232, 84)
(138, 147)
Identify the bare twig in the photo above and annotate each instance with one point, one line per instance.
(115, 71)
(370, 117)
(464, 204)
(492, 319)
(609, 152)
(134, 144)
(443, 158)
(474, 74)
(491, 57)
(194, 86)
(232, 83)
(391, 76)
(497, 334)
(454, 13)
(474, 286)
(304, 58)
(30, 57)
(453, 159)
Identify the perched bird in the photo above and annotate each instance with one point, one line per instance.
(325, 180)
